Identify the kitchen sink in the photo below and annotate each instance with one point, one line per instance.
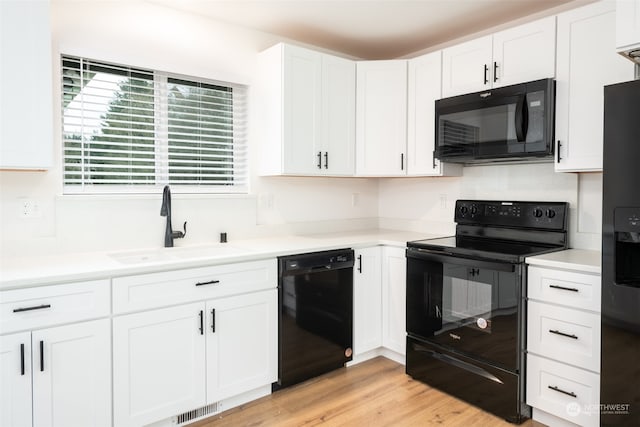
(179, 253)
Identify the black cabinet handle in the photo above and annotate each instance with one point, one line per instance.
(575, 337)
(201, 322)
(326, 160)
(401, 161)
(36, 307)
(486, 70)
(210, 282)
(495, 71)
(319, 159)
(360, 263)
(558, 158)
(21, 359)
(41, 356)
(213, 320)
(563, 288)
(559, 390)
(433, 157)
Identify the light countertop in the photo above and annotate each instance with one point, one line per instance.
(44, 270)
(581, 260)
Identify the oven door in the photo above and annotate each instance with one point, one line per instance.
(466, 305)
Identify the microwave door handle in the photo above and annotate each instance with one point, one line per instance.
(521, 119)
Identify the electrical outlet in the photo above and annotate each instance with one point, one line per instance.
(355, 199)
(29, 208)
(443, 201)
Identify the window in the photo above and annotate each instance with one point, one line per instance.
(134, 130)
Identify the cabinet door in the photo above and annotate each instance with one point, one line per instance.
(586, 62)
(15, 380)
(394, 277)
(242, 338)
(627, 24)
(72, 375)
(302, 110)
(338, 134)
(466, 68)
(524, 53)
(26, 85)
(367, 300)
(381, 118)
(158, 364)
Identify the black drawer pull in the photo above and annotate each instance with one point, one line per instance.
(213, 320)
(559, 390)
(575, 337)
(37, 307)
(41, 356)
(210, 282)
(21, 359)
(563, 288)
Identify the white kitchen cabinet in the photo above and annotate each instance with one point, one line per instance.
(15, 380)
(466, 67)
(26, 85)
(219, 342)
(158, 364)
(394, 277)
(307, 112)
(241, 344)
(367, 300)
(515, 55)
(563, 344)
(424, 88)
(586, 62)
(381, 118)
(71, 368)
(627, 25)
(67, 369)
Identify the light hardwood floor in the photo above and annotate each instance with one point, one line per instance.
(372, 394)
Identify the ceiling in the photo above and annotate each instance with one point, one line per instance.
(366, 29)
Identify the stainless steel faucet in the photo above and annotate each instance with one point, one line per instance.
(165, 210)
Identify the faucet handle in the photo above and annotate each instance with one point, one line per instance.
(180, 234)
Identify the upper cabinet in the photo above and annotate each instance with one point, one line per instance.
(26, 100)
(424, 89)
(381, 118)
(628, 26)
(307, 112)
(516, 55)
(586, 62)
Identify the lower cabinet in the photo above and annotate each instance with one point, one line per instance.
(367, 300)
(58, 376)
(171, 360)
(394, 277)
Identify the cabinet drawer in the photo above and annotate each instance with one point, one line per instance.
(564, 391)
(575, 290)
(564, 334)
(152, 290)
(32, 308)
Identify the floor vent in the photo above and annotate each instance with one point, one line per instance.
(197, 413)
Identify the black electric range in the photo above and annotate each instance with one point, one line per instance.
(466, 301)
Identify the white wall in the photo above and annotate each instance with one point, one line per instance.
(147, 35)
(427, 203)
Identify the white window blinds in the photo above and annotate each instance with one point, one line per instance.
(133, 130)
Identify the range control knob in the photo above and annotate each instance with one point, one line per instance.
(474, 210)
(551, 213)
(537, 212)
(464, 210)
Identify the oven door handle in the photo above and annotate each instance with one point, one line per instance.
(448, 258)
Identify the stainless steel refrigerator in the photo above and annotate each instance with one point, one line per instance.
(620, 362)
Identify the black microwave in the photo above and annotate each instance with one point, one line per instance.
(511, 123)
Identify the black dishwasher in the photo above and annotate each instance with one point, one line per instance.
(315, 301)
